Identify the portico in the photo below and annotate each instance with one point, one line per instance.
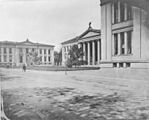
(91, 50)
(90, 42)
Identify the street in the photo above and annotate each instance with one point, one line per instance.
(79, 95)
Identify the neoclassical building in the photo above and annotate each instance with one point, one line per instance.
(125, 33)
(90, 41)
(18, 53)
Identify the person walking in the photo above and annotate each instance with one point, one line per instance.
(24, 67)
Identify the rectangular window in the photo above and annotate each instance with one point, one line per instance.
(129, 42)
(44, 51)
(49, 51)
(5, 51)
(10, 58)
(122, 12)
(45, 58)
(10, 50)
(115, 44)
(40, 51)
(122, 43)
(129, 12)
(49, 58)
(5, 58)
(114, 64)
(116, 12)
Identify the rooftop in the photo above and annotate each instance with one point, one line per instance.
(27, 43)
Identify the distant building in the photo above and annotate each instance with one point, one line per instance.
(18, 53)
(125, 33)
(90, 41)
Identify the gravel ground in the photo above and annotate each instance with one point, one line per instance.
(104, 94)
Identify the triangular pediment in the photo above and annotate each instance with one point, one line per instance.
(27, 42)
(89, 34)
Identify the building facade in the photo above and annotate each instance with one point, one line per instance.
(125, 34)
(90, 41)
(18, 53)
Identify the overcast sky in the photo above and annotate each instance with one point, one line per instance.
(47, 21)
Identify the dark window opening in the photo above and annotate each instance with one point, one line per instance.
(40, 51)
(26, 50)
(44, 51)
(114, 64)
(122, 43)
(10, 50)
(116, 12)
(122, 12)
(45, 58)
(5, 50)
(49, 51)
(129, 12)
(10, 58)
(121, 64)
(49, 58)
(128, 65)
(129, 40)
(115, 44)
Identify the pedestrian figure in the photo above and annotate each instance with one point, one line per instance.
(24, 67)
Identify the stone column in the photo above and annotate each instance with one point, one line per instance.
(2, 54)
(63, 56)
(84, 52)
(13, 55)
(52, 56)
(7, 53)
(119, 44)
(17, 55)
(88, 44)
(42, 56)
(93, 53)
(79, 45)
(126, 42)
(98, 51)
(24, 55)
(124, 65)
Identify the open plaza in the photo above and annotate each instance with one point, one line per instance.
(104, 94)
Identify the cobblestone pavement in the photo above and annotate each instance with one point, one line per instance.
(104, 94)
